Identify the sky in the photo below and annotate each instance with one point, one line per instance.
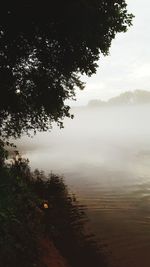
(127, 67)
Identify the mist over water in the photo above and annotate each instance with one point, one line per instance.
(104, 155)
(114, 138)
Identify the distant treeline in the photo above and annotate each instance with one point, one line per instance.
(128, 98)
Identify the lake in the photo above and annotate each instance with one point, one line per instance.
(104, 156)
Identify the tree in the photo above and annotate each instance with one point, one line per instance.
(44, 48)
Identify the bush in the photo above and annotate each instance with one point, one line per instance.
(20, 219)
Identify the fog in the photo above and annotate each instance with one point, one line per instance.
(97, 140)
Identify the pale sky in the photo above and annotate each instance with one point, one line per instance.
(127, 67)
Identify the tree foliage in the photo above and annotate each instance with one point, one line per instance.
(44, 47)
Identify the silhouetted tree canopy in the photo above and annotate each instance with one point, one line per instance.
(44, 47)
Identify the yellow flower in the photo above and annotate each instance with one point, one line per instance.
(45, 206)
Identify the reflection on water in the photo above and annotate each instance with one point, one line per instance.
(121, 219)
(104, 155)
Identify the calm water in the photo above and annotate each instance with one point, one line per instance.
(104, 155)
